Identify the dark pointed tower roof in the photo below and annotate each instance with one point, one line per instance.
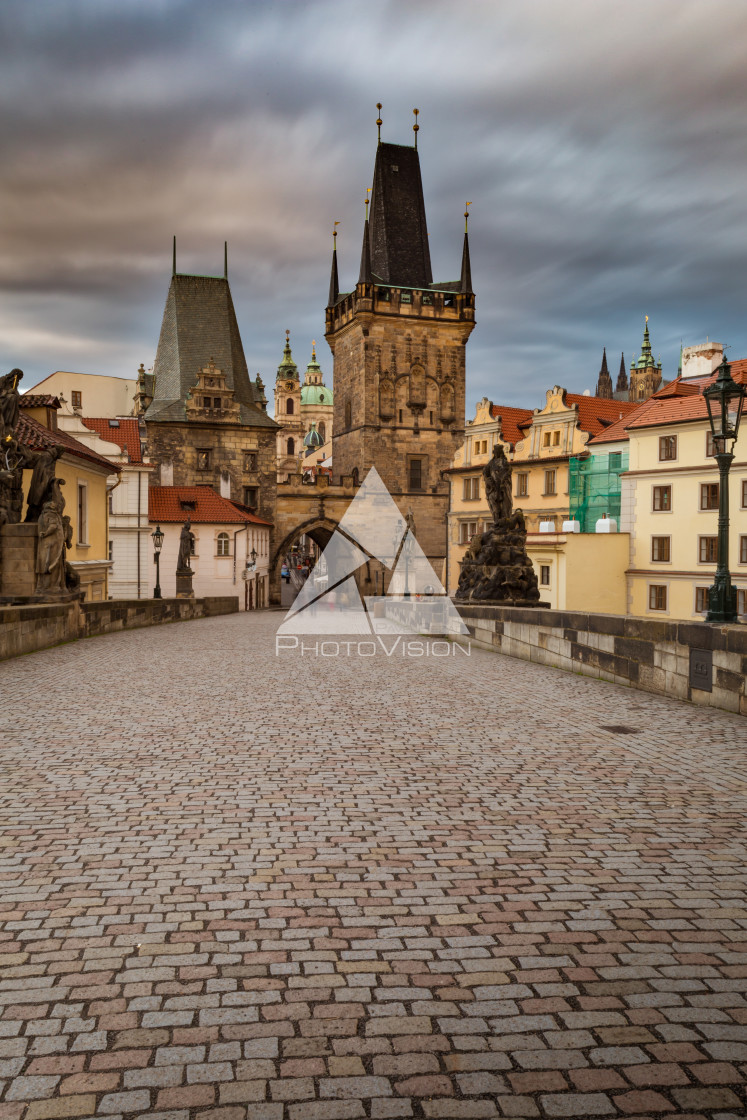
(199, 325)
(398, 233)
(622, 377)
(604, 381)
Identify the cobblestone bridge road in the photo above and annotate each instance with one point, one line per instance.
(248, 887)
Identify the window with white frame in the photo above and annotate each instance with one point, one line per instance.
(657, 597)
(544, 575)
(223, 544)
(471, 491)
(667, 448)
(701, 599)
(467, 530)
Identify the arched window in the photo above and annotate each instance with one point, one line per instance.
(223, 544)
(321, 428)
(291, 445)
(289, 406)
(348, 414)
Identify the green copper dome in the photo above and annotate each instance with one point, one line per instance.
(316, 394)
(313, 438)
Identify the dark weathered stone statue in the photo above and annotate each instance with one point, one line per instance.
(496, 567)
(41, 481)
(9, 403)
(497, 475)
(186, 542)
(50, 556)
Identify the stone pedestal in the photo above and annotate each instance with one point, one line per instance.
(496, 569)
(18, 545)
(18, 561)
(184, 583)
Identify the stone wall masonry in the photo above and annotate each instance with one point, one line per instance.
(29, 628)
(649, 654)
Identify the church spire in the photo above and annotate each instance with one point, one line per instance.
(604, 381)
(287, 368)
(466, 281)
(334, 280)
(622, 377)
(364, 276)
(646, 359)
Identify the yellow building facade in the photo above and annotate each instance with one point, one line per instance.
(87, 479)
(671, 495)
(539, 444)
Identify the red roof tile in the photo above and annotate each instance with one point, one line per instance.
(165, 504)
(617, 430)
(39, 400)
(511, 420)
(125, 433)
(595, 414)
(32, 434)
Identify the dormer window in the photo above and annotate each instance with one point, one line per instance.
(189, 506)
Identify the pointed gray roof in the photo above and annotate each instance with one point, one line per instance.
(199, 324)
(398, 232)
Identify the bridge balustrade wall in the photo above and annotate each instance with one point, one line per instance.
(25, 629)
(655, 655)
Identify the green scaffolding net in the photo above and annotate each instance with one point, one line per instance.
(594, 487)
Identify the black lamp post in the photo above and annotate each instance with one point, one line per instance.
(724, 401)
(253, 555)
(157, 536)
(406, 551)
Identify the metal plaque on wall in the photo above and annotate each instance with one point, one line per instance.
(701, 669)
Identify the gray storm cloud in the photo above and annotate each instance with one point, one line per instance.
(602, 146)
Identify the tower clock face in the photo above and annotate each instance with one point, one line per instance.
(289, 386)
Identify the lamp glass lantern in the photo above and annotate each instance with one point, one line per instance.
(724, 400)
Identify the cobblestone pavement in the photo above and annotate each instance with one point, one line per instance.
(248, 887)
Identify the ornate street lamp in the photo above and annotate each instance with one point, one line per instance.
(157, 536)
(724, 401)
(251, 564)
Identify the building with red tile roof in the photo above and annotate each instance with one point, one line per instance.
(201, 504)
(232, 544)
(124, 431)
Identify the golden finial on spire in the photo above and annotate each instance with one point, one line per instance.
(334, 235)
(647, 318)
(466, 214)
(313, 349)
(367, 201)
(287, 337)
(416, 127)
(379, 121)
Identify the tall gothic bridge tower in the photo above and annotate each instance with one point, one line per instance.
(398, 342)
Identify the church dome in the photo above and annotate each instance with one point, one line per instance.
(313, 438)
(316, 394)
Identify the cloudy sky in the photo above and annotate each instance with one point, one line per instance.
(602, 146)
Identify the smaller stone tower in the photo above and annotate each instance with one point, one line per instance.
(288, 414)
(645, 374)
